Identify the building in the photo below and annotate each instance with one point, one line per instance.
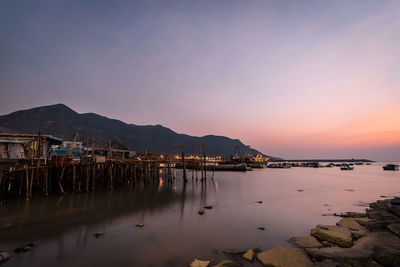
(26, 146)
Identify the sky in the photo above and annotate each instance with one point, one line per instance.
(293, 79)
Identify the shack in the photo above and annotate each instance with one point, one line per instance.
(26, 146)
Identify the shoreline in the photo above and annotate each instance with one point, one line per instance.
(358, 239)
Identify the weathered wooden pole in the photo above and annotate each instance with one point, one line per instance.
(184, 164)
(205, 161)
(27, 182)
(73, 177)
(46, 181)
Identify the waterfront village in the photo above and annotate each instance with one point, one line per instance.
(38, 164)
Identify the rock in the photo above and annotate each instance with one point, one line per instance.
(327, 263)
(378, 239)
(353, 214)
(208, 207)
(284, 257)
(4, 256)
(349, 223)
(258, 201)
(328, 244)
(227, 251)
(25, 248)
(201, 212)
(306, 241)
(378, 225)
(355, 228)
(394, 228)
(351, 256)
(387, 256)
(139, 225)
(362, 221)
(300, 190)
(249, 255)
(198, 263)
(381, 215)
(335, 234)
(227, 263)
(261, 228)
(97, 235)
(395, 201)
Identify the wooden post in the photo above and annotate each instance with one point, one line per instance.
(31, 182)
(94, 175)
(64, 165)
(184, 164)
(46, 181)
(73, 177)
(27, 183)
(87, 177)
(205, 161)
(111, 176)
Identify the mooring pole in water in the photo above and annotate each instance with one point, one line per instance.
(27, 183)
(46, 181)
(205, 161)
(201, 163)
(73, 177)
(184, 164)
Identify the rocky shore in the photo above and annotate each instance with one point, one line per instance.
(369, 239)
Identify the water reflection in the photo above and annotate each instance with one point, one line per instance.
(63, 227)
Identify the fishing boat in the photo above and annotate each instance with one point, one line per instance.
(346, 168)
(391, 167)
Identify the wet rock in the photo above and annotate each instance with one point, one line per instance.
(208, 207)
(351, 256)
(379, 225)
(228, 251)
(259, 202)
(284, 257)
(328, 263)
(395, 201)
(394, 228)
(362, 221)
(261, 228)
(378, 239)
(300, 190)
(353, 214)
(26, 248)
(201, 212)
(139, 225)
(387, 256)
(4, 256)
(306, 241)
(328, 244)
(97, 235)
(198, 263)
(227, 263)
(335, 234)
(381, 215)
(349, 190)
(249, 255)
(355, 228)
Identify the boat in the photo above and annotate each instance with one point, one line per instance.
(346, 168)
(391, 167)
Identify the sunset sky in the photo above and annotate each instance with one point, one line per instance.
(294, 79)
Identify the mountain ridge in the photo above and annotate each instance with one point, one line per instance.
(60, 120)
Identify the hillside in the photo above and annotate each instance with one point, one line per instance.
(62, 121)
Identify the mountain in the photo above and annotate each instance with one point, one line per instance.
(60, 120)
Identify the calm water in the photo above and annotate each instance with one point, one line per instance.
(62, 228)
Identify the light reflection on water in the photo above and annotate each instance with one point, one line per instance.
(62, 228)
